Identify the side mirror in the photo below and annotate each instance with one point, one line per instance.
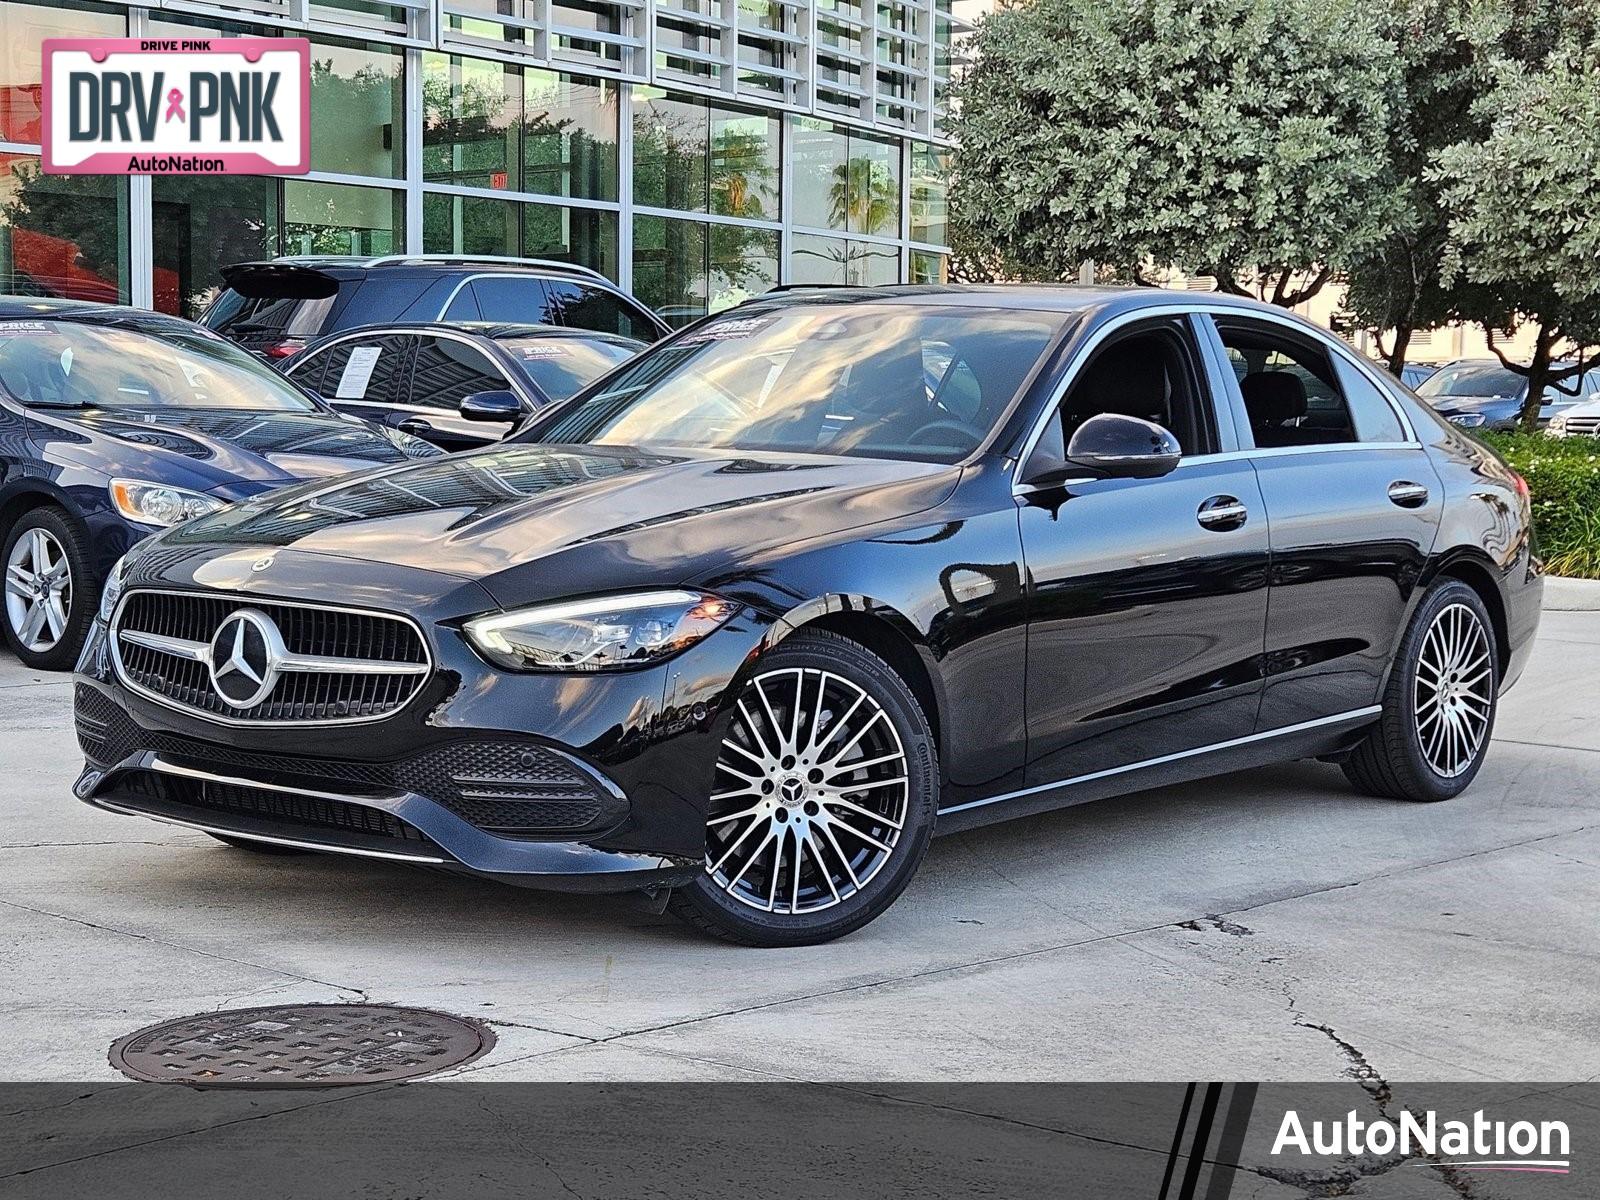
(491, 406)
(1119, 447)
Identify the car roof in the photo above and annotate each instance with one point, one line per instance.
(92, 312)
(1048, 297)
(351, 266)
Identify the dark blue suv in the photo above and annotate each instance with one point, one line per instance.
(278, 307)
(115, 423)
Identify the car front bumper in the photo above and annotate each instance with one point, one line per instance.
(628, 757)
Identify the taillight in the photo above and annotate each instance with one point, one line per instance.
(283, 349)
(1523, 489)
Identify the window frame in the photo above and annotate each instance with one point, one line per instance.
(530, 402)
(1207, 425)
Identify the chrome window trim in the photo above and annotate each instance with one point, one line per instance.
(242, 601)
(1355, 714)
(1287, 320)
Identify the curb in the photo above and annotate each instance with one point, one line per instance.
(1571, 595)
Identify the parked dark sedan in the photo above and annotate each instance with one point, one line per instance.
(115, 423)
(744, 624)
(1481, 393)
(458, 386)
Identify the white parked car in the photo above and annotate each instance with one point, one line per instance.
(1580, 420)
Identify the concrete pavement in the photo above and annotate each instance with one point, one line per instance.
(1271, 925)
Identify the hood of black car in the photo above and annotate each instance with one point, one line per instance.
(529, 520)
(259, 447)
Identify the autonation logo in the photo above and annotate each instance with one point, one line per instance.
(1476, 1145)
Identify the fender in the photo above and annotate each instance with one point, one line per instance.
(859, 606)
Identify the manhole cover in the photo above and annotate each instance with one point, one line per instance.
(300, 1045)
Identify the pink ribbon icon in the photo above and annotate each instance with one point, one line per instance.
(175, 105)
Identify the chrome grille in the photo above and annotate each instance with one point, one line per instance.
(1583, 426)
(337, 665)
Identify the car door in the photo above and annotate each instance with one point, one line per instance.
(1352, 504)
(445, 370)
(364, 375)
(1147, 597)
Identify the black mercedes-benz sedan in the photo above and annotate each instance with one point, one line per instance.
(748, 620)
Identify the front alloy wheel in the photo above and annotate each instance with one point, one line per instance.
(823, 801)
(48, 600)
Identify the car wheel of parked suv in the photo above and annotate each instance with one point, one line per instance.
(824, 800)
(49, 592)
(1439, 706)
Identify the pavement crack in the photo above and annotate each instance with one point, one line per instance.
(145, 937)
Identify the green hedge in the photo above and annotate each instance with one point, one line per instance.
(1564, 477)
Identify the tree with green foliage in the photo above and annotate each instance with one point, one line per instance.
(1395, 288)
(1243, 139)
(1524, 199)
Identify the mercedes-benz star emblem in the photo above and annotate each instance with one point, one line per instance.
(245, 655)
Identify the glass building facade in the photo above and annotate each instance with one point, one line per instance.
(697, 151)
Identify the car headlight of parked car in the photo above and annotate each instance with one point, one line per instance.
(605, 633)
(1557, 426)
(158, 504)
(1466, 420)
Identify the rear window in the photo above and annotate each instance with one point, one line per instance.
(272, 304)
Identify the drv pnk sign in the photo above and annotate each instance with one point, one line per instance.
(169, 106)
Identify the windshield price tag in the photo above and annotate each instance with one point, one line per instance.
(728, 331)
(546, 350)
(357, 373)
(17, 328)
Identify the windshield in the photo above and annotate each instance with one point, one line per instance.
(917, 382)
(65, 364)
(1473, 379)
(561, 366)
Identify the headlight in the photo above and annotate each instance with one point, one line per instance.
(1557, 426)
(1468, 420)
(606, 633)
(112, 592)
(158, 504)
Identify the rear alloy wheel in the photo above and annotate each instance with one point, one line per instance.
(48, 600)
(824, 798)
(1439, 706)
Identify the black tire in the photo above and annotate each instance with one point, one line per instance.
(81, 603)
(1393, 760)
(255, 847)
(836, 666)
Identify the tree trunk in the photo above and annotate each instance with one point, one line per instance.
(1397, 352)
(1538, 377)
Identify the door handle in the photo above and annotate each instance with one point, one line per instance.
(1407, 494)
(1222, 513)
(415, 426)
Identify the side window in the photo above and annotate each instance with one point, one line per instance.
(1149, 371)
(1374, 417)
(368, 369)
(513, 300)
(447, 370)
(307, 370)
(463, 306)
(1291, 391)
(585, 306)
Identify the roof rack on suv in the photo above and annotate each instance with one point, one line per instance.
(466, 260)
